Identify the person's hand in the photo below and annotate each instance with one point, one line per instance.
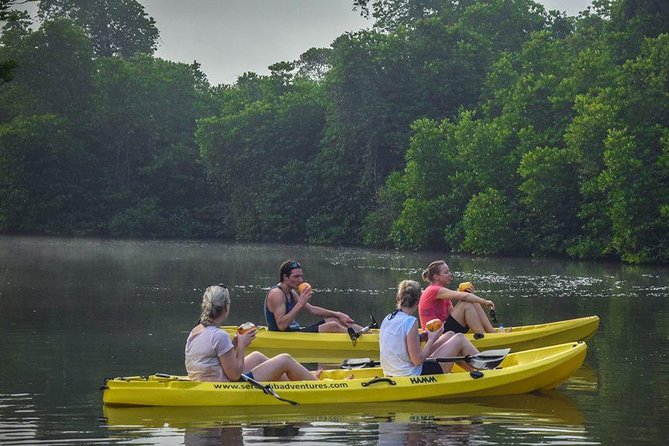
(245, 339)
(434, 335)
(344, 318)
(489, 304)
(305, 295)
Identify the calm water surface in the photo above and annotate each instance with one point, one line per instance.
(74, 311)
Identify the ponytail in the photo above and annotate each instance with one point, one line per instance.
(432, 270)
(215, 301)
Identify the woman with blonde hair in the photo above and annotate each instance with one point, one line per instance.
(212, 355)
(436, 302)
(399, 341)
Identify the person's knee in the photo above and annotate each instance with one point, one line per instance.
(459, 338)
(284, 358)
(447, 335)
(471, 306)
(258, 356)
(331, 327)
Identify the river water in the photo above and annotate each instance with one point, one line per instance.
(74, 311)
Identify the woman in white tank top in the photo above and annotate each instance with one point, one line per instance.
(399, 341)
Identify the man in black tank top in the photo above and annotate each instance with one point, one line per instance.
(284, 303)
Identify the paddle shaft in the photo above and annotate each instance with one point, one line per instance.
(267, 390)
(355, 335)
(487, 359)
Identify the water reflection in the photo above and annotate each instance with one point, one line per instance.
(584, 380)
(385, 423)
(231, 435)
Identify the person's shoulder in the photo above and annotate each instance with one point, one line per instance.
(275, 291)
(275, 297)
(216, 332)
(431, 291)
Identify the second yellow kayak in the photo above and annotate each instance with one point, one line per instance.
(329, 347)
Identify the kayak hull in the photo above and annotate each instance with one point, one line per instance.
(329, 347)
(522, 372)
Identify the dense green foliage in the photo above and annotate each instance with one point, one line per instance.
(99, 145)
(488, 126)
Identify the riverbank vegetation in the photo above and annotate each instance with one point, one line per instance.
(490, 127)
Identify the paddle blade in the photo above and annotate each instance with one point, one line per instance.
(485, 364)
(488, 359)
(358, 363)
(503, 352)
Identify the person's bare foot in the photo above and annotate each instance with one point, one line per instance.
(317, 373)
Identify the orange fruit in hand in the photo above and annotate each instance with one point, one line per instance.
(465, 287)
(303, 286)
(246, 326)
(434, 324)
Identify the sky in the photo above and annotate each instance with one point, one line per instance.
(231, 37)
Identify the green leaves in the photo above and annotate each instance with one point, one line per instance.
(116, 27)
(489, 223)
(258, 152)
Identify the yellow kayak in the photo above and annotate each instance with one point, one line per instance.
(333, 347)
(522, 372)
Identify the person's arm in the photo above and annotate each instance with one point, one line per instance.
(325, 313)
(445, 293)
(232, 361)
(276, 303)
(418, 354)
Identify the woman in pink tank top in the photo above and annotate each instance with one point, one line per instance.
(436, 302)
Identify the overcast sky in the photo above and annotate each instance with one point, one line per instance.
(231, 37)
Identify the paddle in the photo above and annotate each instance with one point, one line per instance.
(500, 326)
(356, 334)
(267, 390)
(487, 360)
